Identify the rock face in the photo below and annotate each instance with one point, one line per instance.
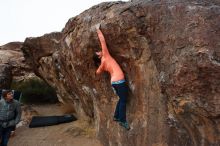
(12, 64)
(170, 53)
(5, 76)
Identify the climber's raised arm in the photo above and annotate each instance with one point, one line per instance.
(103, 43)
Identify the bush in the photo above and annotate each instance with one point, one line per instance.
(35, 91)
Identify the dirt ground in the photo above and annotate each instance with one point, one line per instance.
(76, 133)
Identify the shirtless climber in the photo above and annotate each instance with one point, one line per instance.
(118, 82)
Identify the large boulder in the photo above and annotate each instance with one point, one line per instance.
(13, 65)
(5, 76)
(170, 53)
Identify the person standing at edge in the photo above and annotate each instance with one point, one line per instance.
(10, 115)
(109, 64)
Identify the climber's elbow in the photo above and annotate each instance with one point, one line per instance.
(99, 71)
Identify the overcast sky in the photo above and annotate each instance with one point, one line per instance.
(30, 18)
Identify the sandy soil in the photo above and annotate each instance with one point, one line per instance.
(77, 133)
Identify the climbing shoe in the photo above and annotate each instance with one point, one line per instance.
(125, 125)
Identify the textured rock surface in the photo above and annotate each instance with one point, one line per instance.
(12, 64)
(5, 76)
(170, 53)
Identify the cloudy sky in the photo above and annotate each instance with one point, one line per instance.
(30, 18)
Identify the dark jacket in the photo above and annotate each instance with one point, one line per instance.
(10, 113)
